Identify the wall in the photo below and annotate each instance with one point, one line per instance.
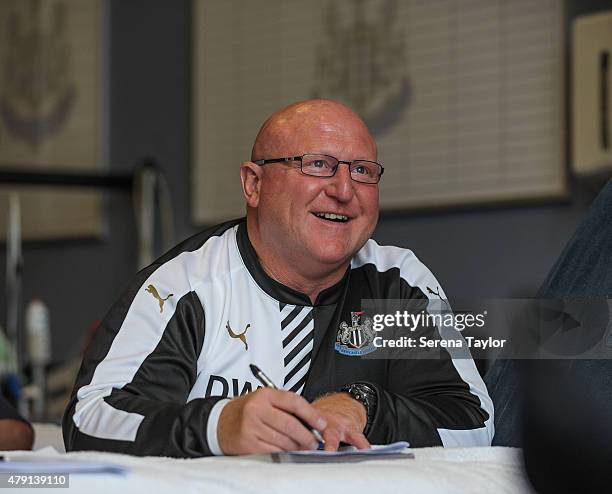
(485, 252)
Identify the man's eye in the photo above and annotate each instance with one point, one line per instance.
(361, 170)
(319, 164)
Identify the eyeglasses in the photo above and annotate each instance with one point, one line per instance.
(322, 165)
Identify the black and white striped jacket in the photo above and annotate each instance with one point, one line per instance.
(180, 340)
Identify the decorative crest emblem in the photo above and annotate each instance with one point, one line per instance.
(356, 339)
(37, 92)
(363, 62)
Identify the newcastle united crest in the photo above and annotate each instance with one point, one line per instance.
(37, 93)
(355, 340)
(362, 61)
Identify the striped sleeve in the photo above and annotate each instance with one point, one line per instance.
(427, 401)
(132, 391)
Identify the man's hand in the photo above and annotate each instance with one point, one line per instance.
(265, 421)
(346, 418)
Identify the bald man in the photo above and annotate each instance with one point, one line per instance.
(168, 372)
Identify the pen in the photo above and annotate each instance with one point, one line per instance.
(267, 382)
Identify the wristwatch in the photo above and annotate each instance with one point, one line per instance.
(366, 395)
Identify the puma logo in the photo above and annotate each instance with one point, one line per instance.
(153, 291)
(241, 336)
(429, 290)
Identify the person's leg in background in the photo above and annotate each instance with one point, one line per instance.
(567, 434)
(559, 410)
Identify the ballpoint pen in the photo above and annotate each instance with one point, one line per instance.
(267, 382)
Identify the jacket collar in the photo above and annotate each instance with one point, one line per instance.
(277, 290)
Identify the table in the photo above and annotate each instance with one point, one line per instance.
(457, 470)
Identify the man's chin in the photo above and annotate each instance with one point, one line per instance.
(332, 255)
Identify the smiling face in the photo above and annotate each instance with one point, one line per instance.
(297, 215)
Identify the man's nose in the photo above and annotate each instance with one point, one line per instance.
(341, 185)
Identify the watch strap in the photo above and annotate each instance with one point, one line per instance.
(366, 395)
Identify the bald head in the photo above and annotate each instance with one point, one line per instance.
(295, 242)
(299, 127)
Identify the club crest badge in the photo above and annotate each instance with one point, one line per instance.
(356, 340)
(362, 60)
(37, 89)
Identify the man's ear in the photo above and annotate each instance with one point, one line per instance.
(250, 176)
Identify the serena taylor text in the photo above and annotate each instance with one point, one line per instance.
(425, 342)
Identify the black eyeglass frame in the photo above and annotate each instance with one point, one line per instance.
(289, 159)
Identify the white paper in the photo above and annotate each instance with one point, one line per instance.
(375, 450)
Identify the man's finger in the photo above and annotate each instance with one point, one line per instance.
(357, 439)
(298, 406)
(265, 447)
(332, 439)
(277, 439)
(288, 425)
